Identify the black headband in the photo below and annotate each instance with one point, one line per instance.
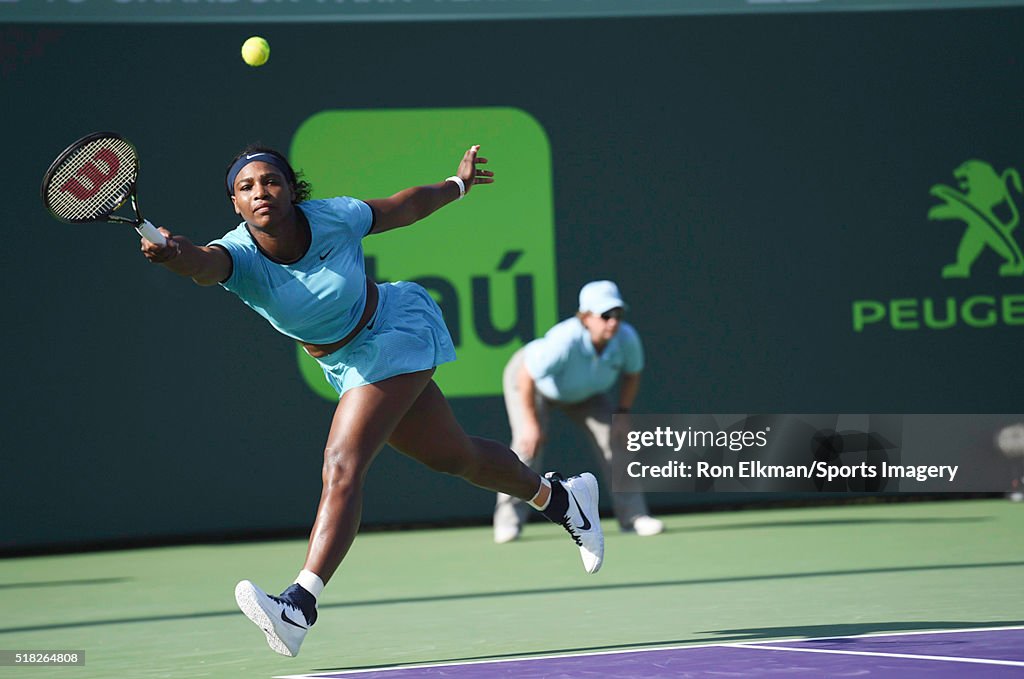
(263, 157)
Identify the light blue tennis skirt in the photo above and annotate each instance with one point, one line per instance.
(406, 334)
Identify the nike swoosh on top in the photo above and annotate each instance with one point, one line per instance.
(586, 521)
(290, 621)
(324, 256)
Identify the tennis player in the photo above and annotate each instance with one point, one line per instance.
(571, 369)
(299, 264)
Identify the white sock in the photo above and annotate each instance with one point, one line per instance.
(544, 483)
(310, 582)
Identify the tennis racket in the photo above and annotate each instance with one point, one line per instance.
(91, 179)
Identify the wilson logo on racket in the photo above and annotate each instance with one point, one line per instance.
(77, 192)
(93, 174)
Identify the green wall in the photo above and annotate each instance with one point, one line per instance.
(749, 181)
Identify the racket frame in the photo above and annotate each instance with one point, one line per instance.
(144, 227)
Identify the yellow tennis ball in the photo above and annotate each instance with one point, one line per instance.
(255, 51)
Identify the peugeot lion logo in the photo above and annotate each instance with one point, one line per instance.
(981, 192)
(985, 202)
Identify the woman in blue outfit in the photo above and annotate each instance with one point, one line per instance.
(299, 264)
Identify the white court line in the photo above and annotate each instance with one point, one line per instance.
(905, 656)
(752, 644)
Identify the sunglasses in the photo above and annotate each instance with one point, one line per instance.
(617, 314)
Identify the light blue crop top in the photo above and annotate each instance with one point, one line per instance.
(319, 298)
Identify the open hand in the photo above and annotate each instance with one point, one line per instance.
(470, 173)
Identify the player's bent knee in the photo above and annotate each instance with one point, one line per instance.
(343, 468)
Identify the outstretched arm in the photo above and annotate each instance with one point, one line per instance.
(413, 204)
(203, 264)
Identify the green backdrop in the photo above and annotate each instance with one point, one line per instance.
(748, 180)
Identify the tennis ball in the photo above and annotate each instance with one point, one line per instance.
(255, 51)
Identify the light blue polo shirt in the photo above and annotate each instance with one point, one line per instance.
(565, 366)
(319, 298)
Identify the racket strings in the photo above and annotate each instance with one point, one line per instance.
(93, 180)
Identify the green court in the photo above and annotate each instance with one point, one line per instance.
(449, 595)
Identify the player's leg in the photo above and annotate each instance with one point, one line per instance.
(363, 420)
(430, 434)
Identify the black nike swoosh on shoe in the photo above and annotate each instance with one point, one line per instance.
(288, 620)
(586, 521)
(324, 256)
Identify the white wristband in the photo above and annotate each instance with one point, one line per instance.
(461, 184)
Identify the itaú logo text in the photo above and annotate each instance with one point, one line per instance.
(484, 302)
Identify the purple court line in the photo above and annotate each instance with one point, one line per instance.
(998, 652)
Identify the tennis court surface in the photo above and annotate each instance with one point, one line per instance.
(990, 653)
(873, 590)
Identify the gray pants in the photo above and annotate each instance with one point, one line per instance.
(593, 417)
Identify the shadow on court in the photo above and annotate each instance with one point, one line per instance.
(609, 524)
(63, 583)
(818, 523)
(539, 591)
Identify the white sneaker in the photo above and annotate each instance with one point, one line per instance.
(582, 519)
(283, 623)
(646, 526)
(503, 534)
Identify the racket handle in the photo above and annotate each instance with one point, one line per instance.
(150, 233)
